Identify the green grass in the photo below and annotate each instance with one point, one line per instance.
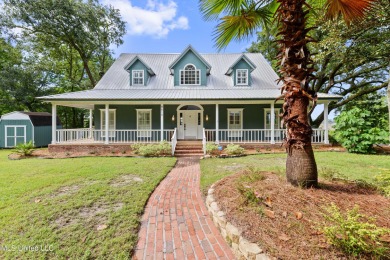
(58, 204)
(352, 166)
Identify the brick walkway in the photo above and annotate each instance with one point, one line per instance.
(176, 224)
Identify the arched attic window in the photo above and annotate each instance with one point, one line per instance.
(190, 75)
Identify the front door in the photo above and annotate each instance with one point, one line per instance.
(190, 124)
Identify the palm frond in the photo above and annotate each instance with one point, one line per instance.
(211, 9)
(350, 10)
(241, 26)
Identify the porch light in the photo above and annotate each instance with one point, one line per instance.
(173, 118)
(207, 117)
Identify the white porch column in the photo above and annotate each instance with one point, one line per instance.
(53, 123)
(107, 123)
(162, 121)
(90, 122)
(216, 123)
(272, 123)
(326, 139)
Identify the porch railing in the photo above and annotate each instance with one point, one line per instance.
(174, 141)
(114, 136)
(255, 135)
(152, 136)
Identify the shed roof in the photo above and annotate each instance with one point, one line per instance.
(36, 118)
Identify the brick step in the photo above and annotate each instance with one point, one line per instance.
(188, 148)
(189, 143)
(189, 155)
(188, 151)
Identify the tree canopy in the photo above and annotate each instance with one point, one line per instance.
(352, 61)
(54, 47)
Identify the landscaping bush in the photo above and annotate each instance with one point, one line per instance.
(354, 236)
(164, 148)
(135, 147)
(332, 138)
(382, 181)
(211, 148)
(357, 130)
(148, 150)
(234, 149)
(25, 148)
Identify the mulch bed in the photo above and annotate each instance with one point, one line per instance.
(289, 229)
(45, 154)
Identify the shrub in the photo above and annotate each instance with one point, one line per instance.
(148, 150)
(332, 174)
(352, 235)
(211, 148)
(234, 149)
(357, 130)
(164, 148)
(25, 148)
(382, 181)
(332, 138)
(135, 147)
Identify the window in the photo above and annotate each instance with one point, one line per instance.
(14, 135)
(190, 75)
(144, 122)
(111, 123)
(138, 77)
(241, 77)
(235, 122)
(267, 117)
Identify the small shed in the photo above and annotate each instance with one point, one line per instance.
(22, 127)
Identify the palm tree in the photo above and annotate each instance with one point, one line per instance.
(241, 18)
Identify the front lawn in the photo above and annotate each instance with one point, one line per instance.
(339, 164)
(74, 208)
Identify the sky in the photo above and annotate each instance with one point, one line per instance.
(167, 26)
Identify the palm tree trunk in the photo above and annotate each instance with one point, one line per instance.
(296, 73)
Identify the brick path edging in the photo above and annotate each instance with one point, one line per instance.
(242, 248)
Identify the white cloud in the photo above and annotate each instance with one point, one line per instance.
(156, 19)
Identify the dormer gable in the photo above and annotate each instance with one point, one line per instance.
(139, 72)
(190, 68)
(241, 71)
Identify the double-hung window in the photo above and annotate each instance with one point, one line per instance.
(190, 75)
(241, 77)
(235, 122)
(111, 122)
(138, 77)
(144, 122)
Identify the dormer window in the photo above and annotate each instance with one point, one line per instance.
(190, 75)
(138, 77)
(241, 77)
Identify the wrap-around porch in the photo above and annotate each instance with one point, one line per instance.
(219, 123)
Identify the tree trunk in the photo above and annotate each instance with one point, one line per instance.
(301, 167)
(296, 74)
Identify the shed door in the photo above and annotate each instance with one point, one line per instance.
(14, 135)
